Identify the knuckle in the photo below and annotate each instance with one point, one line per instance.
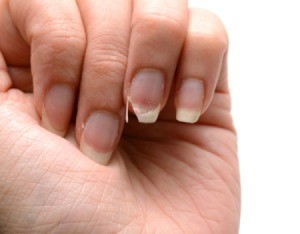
(159, 23)
(109, 64)
(107, 55)
(109, 44)
(63, 44)
(59, 31)
(59, 38)
(61, 53)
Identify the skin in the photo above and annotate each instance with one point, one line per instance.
(181, 179)
(166, 177)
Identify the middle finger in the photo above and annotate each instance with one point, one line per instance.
(100, 117)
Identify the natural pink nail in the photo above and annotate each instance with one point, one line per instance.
(99, 136)
(58, 107)
(190, 101)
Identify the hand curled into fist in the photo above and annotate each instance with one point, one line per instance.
(75, 68)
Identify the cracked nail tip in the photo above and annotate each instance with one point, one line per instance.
(148, 117)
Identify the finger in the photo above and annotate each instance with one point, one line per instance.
(101, 110)
(15, 51)
(200, 65)
(223, 85)
(56, 34)
(21, 78)
(5, 81)
(13, 47)
(158, 32)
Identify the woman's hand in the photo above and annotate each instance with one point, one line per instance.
(105, 54)
(167, 177)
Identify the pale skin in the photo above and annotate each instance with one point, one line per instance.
(177, 173)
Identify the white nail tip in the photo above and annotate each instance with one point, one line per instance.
(143, 116)
(187, 116)
(46, 124)
(101, 158)
(149, 116)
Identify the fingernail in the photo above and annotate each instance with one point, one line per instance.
(146, 94)
(58, 108)
(5, 81)
(99, 136)
(190, 101)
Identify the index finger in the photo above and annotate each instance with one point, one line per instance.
(56, 34)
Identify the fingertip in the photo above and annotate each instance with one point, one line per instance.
(187, 116)
(146, 116)
(45, 123)
(190, 100)
(90, 152)
(58, 108)
(146, 95)
(99, 136)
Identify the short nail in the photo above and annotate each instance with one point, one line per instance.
(99, 136)
(146, 95)
(190, 101)
(58, 107)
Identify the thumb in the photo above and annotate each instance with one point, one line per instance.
(40, 173)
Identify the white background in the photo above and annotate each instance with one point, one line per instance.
(265, 83)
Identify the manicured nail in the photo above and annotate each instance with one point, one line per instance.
(99, 136)
(190, 101)
(146, 94)
(58, 108)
